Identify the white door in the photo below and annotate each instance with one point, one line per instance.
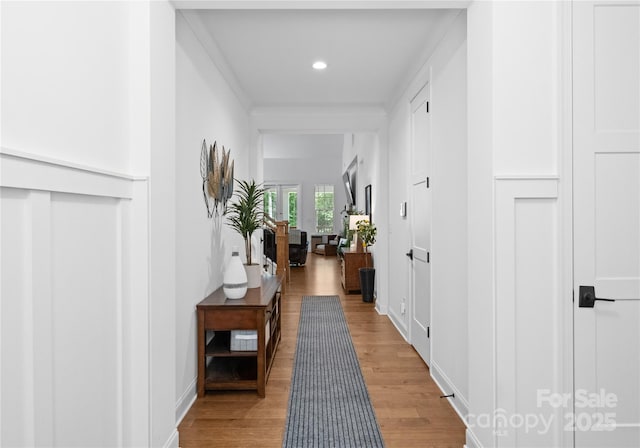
(420, 215)
(606, 166)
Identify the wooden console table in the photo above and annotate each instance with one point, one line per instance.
(220, 368)
(351, 262)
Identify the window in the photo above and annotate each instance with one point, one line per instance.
(293, 208)
(270, 201)
(281, 203)
(324, 200)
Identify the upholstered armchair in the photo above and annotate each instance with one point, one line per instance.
(327, 246)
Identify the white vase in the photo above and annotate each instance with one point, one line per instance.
(235, 278)
(254, 275)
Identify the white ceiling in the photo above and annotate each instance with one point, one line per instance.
(266, 55)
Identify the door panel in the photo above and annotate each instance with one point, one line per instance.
(617, 220)
(606, 165)
(420, 212)
(422, 273)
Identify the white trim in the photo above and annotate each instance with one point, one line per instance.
(472, 440)
(173, 441)
(319, 4)
(194, 20)
(33, 172)
(565, 195)
(185, 401)
(347, 110)
(526, 177)
(335, 120)
(459, 402)
(39, 319)
(40, 288)
(422, 67)
(399, 324)
(380, 309)
(65, 163)
(138, 346)
(120, 327)
(509, 191)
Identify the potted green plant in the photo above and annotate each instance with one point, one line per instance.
(367, 232)
(245, 217)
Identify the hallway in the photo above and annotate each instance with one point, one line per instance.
(406, 400)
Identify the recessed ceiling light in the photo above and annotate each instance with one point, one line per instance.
(319, 65)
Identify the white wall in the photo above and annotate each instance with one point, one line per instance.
(206, 108)
(399, 227)
(162, 223)
(517, 293)
(446, 73)
(306, 160)
(65, 81)
(84, 340)
(449, 354)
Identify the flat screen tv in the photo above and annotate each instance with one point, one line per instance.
(349, 181)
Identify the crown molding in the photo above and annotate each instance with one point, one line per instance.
(320, 4)
(194, 21)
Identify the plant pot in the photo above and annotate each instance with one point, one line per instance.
(254, 275)
(367, 283)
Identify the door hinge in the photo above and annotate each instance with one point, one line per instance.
(428, 332)
(427, 106)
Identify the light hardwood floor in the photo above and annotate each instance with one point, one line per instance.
(405, 399)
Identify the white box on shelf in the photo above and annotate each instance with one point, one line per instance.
(244, 340)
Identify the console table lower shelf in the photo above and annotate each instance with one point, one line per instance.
(221, 366)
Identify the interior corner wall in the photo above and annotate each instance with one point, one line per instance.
(449, 223)
(79, 362)
(446, 73)
(162, 223)
(399, 226)
(480, 234)
(206, 108)
(517, 123)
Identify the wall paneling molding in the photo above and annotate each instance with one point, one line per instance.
(74, 314)
(528, 336)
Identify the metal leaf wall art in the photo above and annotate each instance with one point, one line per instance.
(217, 178)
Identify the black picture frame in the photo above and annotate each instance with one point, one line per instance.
(367, 202)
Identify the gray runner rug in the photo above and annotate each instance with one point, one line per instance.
(329, 404)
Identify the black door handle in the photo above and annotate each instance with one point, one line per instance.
(588, 297)
(410, 254)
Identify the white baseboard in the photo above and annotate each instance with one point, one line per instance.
(173, 441)
(472, 441)
(459, 402)
(185, 401)
(399, 324)
(382, 310)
